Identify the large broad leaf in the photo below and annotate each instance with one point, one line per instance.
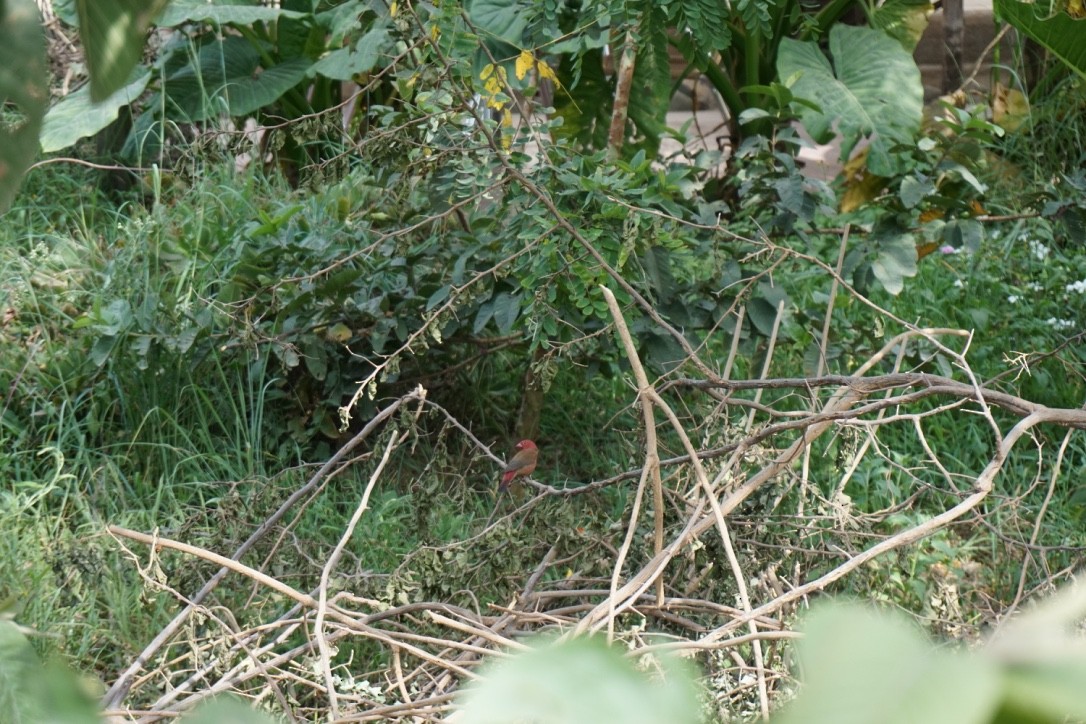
(34, 692)
(580, 681)
(905, 20)
(346, 63)
(872, 89)
(861, 666)
(23, 92)
(504, 20)
(113, 32)
(1059, 32)
(227, 79)
(76, 116)
(222, 12)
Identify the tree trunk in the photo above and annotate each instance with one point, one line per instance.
(953, 41)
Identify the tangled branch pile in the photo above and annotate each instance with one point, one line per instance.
(283, 647)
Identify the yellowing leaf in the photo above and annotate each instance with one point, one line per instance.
(525, 61)
(487, 71)
(507, 126)
(339, 333)
(861, 185)
(922, 250)
(1010, 108)
(545, 71)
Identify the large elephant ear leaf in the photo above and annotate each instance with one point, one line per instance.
(872, 89)
(1060, 32)
(23, 93)
(113, 34)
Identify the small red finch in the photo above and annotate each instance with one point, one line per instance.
(522, 463)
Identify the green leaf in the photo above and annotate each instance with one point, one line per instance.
(914, 189)
(506, 311)
(346, 63)
(438, 297)
(76, 116)
(222, 12)
(33, 692)
(903, 20)
(658, 270)
(1059, 32)
(23, 92)
(502, 19)
(861, 666)
(483, 317)
(794, 197)
(964, 233)
(896, 259)
(581, 682)
(227, 78)
(872, 89)
(762, 308)
(113, 34)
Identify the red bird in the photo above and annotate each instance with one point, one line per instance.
(522, 463)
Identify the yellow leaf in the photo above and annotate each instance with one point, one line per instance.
(545, 71)
(1010, 108)
(923, 250)
(339, 333)
(860, 186)
(435, 33)
(487, 71)
(525, 61)
(507, 125)
(393, 8)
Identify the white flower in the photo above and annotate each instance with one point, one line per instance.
(1079, 286)
(1013, 299)
(1039, 250)
(958, 283)
(1059, 324)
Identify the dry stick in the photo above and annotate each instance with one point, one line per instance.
(650, 470)
(227, 563)
(648, 396)
(421, 707)
(477, 632)
(500, 625)
(329, 566)
(1037, 525)
(288, 627)
(716, 645)
(120, 687)
(341, 617)
(858, 456)
(733, 351)
(820, 366)
(696, 524)
(768, 360)
(239, 674)
(616, 134)
(983, 487)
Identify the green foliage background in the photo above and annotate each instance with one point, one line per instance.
(185, 339)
